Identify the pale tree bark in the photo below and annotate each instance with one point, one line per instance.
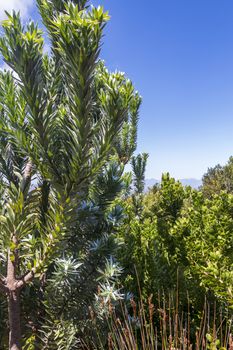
(14, 320)
(11, 286)
(27, 174)
(12, 289)
(14, 285)
(13, 298)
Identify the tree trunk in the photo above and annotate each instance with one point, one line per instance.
(14, 320)
(13, 298)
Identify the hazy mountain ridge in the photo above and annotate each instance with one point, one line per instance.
(195, 183)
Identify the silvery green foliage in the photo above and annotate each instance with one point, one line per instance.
(67, 128)
(109, 291)
(89, 278)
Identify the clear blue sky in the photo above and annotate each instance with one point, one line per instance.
(179, 55)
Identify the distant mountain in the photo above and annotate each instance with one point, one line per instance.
(150, 182)
(194, 183)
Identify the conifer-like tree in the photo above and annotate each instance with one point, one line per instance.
(67, 128)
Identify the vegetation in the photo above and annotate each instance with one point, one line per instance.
(183, 238)
(87, 258)
(68, 127)
(165, 327)
(219, 178)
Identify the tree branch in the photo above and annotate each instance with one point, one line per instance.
(27, 176)
(25, 279)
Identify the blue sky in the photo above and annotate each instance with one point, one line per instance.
(179, 55)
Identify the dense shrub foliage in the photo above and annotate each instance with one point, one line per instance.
(181, 237)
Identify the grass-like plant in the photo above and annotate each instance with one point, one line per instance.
(163, 326)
